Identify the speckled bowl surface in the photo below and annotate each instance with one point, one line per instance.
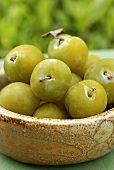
(53, 141)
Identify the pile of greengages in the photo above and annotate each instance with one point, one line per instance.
(66, 83)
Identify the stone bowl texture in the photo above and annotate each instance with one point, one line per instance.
(53, 141)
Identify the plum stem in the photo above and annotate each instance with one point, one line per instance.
(108, 75)
(55, 34)
(90, 92)
(13, 58)
(60, 39)
(44, 78)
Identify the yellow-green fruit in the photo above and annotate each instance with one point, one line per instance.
(86, 98)
(20, 62)
(50, 80)
(18, 97)
(70, 49)
(75, 79)
(103, 72)
(50, 110)
(91, 60)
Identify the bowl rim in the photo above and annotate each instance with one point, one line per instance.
(9, 116)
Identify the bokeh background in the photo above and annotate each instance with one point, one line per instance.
(24, 22)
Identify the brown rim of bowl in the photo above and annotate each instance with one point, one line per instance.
(8, 116)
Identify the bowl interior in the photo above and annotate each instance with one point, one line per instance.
(54, 141)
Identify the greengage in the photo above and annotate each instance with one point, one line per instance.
(50, 80)
(92, 58)
(18, 97)
(50, 110)
(75, 79)
(20, 62)
(84, 99)
(71, 50)
(103, 72)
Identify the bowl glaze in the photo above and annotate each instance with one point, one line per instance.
(53, 141)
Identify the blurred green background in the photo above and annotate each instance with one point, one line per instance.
(24, 21)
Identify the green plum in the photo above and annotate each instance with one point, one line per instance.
(84, 99)
(70, 49)
(92, 58)
(18, 97)
(75, 79)
(50, 110)
(50, 80)
(20, 62)
(103, 72)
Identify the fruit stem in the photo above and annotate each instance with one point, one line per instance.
(108, 75)
(60, 39)
(13, 58)
(90, 92)
(55, 34)
(45, 78)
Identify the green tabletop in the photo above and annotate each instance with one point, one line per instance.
(103, 163)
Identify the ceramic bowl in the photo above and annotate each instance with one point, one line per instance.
(53, 141)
